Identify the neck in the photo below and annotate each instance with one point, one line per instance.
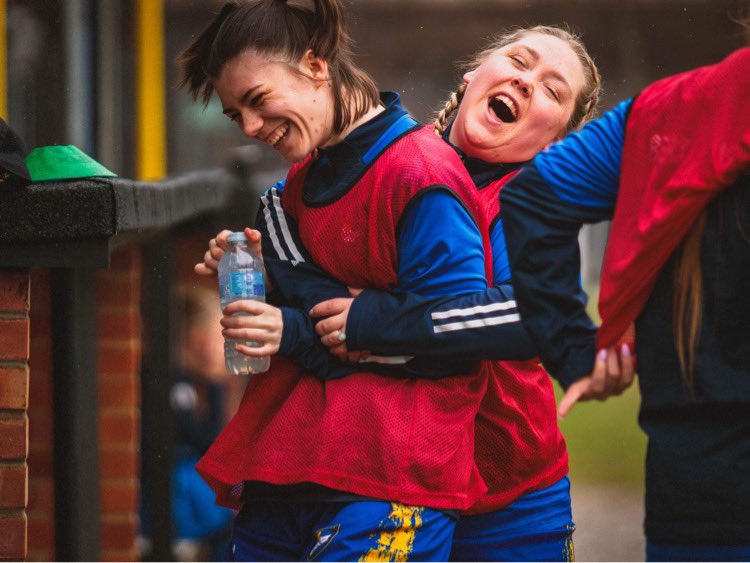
(372, 112)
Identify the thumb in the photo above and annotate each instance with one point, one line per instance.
(353, 291)
(254, 238)
(570, 398)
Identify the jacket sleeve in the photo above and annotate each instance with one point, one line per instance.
(542, 209)
(482, 326)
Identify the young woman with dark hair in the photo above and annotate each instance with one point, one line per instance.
(364, 465)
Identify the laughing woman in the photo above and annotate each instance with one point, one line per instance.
(671, 168)
(332, 467)
(526, 90)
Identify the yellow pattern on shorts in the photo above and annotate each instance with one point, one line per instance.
(396, 543)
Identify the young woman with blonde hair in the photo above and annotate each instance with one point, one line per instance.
(670, 167)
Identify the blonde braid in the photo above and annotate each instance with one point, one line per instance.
(450, 106)
(594, 93)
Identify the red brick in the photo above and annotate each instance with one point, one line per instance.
(118, 326)
(119, 497)
(119, 464)
(13, 438)
(41, 497)
(40, 392)
(117, 427)
(119, 390)
(41, 324)
(13, 535)
(14, 387)
(118, 359)
(118, 535)
(40, 426)
(14, 339)
(14, 290)
(41, 461)
(41, 533)
(13, 485)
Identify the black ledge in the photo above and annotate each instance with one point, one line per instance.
(77, 223)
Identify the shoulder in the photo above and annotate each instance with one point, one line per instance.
(424, 157)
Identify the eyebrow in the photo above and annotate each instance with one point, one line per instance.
(554, 74)
(243, 99)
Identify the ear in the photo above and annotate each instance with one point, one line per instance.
(314, 66)
(469, 76)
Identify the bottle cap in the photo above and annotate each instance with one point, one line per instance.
(237, 237)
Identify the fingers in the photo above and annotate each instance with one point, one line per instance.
(353, 357)
(628, 367)
(331, 339)
(265, 350)
(614, 374)
(251, 334)
(222, 239)
(340, 351)
(353, 291)
(202, 270)
(331, 325)
(599, 375)
(254, 240)
(250, 306)
(572, 395)
(329, 307)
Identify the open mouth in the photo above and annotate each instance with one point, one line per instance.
(276, 137)
(504, 107)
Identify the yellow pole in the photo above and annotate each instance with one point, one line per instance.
(152, 136)
(3, 60)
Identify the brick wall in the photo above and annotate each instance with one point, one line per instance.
(14, 396)
(41, 509)
(118, 366)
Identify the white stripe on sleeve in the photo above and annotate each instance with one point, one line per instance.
(478, 323)
(296, 254)
(491, 308)
(271, 228)
(391, 360)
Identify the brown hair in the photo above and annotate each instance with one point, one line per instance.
(284, 29)
(688, 299)
(688, 285)
(587, 100)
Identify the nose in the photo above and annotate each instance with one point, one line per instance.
(252, 123)
(520, 83)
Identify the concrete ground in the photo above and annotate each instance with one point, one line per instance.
(609, 523)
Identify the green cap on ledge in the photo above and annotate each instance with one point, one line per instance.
(63, 162)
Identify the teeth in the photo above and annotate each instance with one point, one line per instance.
(508, 102)
(278, 135)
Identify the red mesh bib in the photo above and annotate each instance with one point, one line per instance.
(405, 440)
(519, 446)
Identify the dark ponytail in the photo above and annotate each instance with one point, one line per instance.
(286, 29)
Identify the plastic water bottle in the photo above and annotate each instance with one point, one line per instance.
(241, 277)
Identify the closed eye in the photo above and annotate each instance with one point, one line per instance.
(520, 61)
(256, 100)
(553, 92)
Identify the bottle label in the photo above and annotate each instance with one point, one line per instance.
(245, 284)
